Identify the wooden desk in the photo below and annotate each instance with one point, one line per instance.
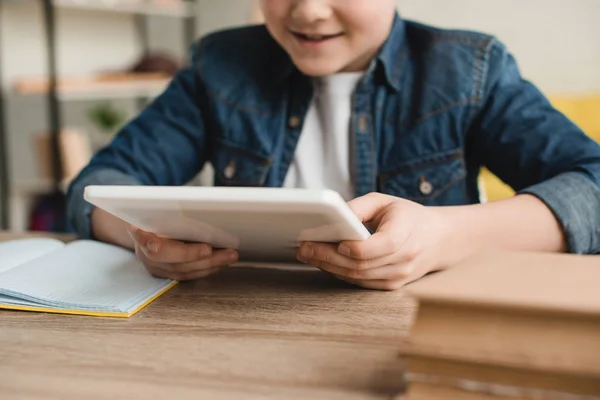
(244, 333)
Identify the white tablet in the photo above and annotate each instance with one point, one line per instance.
(263, 224)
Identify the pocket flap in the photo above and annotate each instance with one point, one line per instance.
(426, 178)
(236, 166)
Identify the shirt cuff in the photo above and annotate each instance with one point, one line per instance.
(575, 201)
(79, 211)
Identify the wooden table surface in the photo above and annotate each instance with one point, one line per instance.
(244, 333)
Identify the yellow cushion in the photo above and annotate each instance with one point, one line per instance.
(584, 111)
(493, 187)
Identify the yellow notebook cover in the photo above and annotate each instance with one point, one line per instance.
(82, 278)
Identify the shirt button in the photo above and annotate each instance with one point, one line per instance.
(362, 124)
(425, 187)
(229, 171)
(294, 122)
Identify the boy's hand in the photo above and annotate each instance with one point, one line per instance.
(410, 241)
(176, 260)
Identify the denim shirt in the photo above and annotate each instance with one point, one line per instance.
(434, 107)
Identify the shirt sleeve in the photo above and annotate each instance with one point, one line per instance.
(536, 150)
(79, 211)
(164, 145)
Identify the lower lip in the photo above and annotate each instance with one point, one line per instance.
(315, 44)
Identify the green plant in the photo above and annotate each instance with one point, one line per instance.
(107, 117)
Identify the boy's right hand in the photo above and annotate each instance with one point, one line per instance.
(176, 260)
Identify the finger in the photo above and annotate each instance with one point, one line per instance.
(379, 285)
(152, 265)
(219, 259)
(387, 272)
(347, 280)
(368, 207)
(189, 271)
(343, 278)
(199, 274)
(148, 242)
(159, 272)
(132, 231)
(173, 251)
(390, 238)
(373, 285)
(325, 252)
(384, 284)
(139, 236)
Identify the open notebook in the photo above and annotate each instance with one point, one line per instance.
(82, 277)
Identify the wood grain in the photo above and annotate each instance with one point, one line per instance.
(244, 333)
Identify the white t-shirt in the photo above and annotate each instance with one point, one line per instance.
(321, 160)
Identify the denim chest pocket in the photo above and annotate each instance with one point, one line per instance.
(434, 180)
(236, 166)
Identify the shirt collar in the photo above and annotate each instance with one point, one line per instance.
(392, 55)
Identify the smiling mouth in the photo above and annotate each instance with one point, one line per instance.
(315, 38)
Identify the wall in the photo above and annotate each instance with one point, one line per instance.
(219, 14)
(556, 42)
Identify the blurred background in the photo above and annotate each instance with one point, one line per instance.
(110, 57)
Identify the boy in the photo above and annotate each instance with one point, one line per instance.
(398, 116)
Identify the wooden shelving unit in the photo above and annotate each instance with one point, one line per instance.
(58, 89)
(99, 88)
(181, 9)
(4, 173)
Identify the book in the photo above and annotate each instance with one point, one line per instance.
(82, 277)
(507, 326)
(430, 376)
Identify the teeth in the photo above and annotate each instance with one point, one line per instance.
(313, 37)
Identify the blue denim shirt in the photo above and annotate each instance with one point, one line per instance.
(434, 107)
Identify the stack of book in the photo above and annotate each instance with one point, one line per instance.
(507, 326)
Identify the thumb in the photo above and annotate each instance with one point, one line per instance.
(368, 207)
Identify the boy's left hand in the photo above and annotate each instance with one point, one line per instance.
(410, 240)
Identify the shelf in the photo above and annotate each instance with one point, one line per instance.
(131, 90)
(181, 9)
(32, 186)
(98, 88)
(37, 186)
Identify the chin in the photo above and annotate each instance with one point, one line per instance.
(318, 67)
